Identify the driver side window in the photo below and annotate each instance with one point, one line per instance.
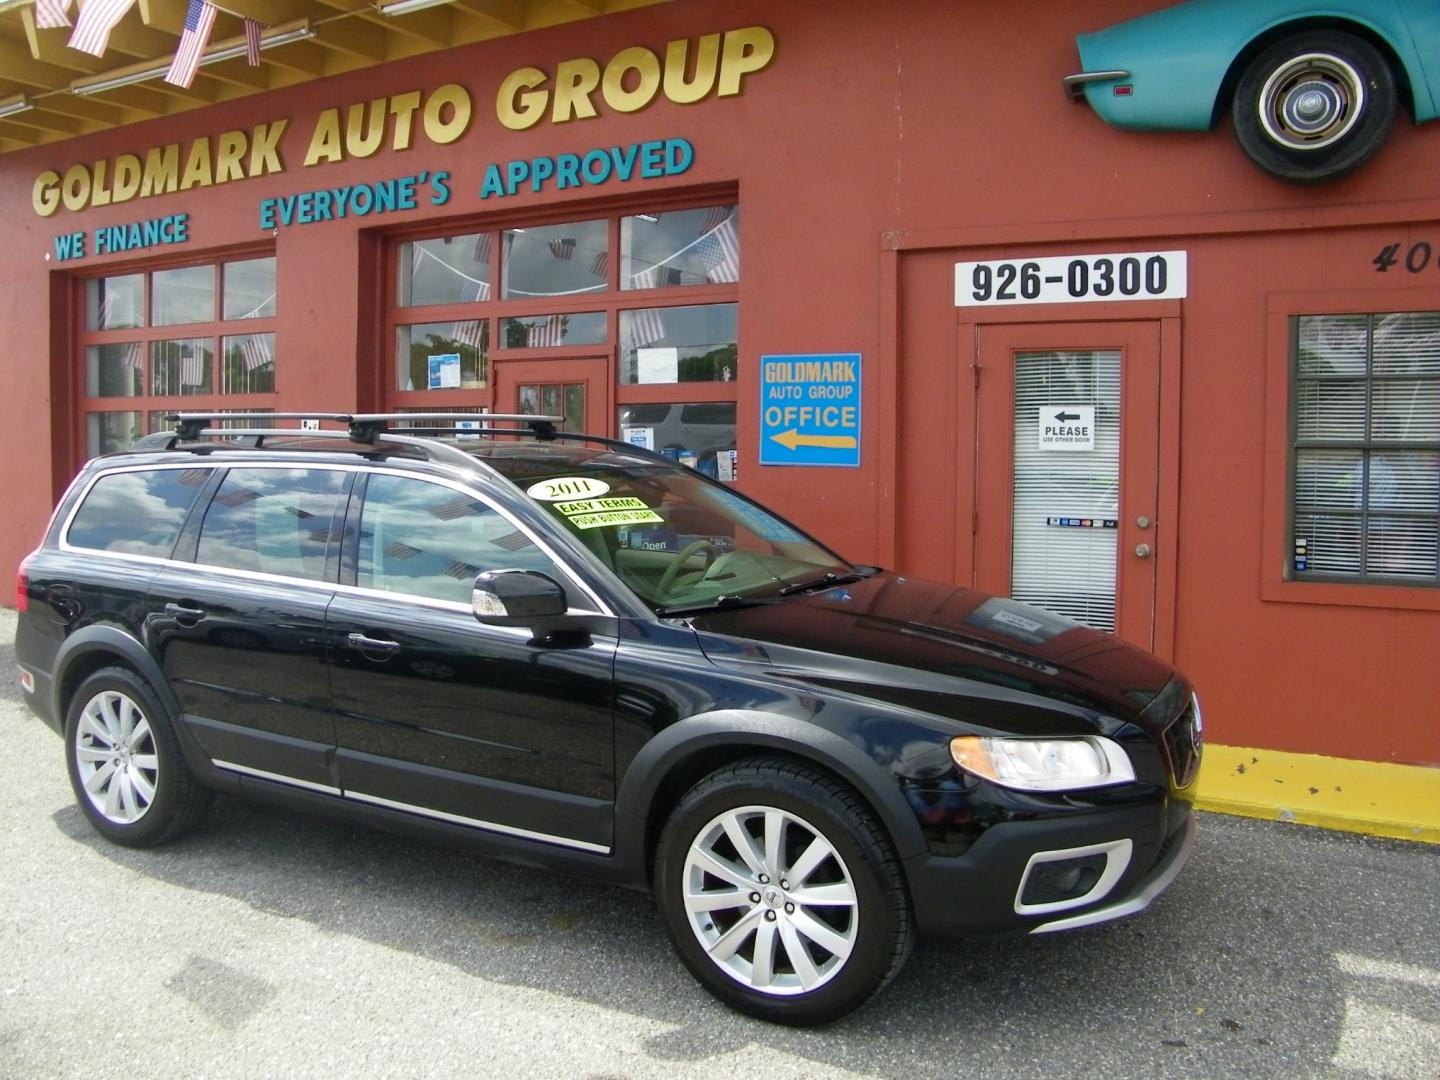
(425, 539)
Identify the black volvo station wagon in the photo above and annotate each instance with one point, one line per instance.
(570, 651)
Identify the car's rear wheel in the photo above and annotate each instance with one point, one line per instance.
(781, 893)
(125, 764)
(1314, 106)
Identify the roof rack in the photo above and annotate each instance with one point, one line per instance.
(372, 428)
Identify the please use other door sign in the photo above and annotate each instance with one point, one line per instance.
(810, 409)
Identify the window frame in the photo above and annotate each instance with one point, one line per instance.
(574, 582)
(1278, 582)
(610, 301)
(216, 330)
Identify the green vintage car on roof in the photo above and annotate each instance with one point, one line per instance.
(1312, 88)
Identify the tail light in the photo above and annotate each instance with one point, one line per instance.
(22, 585)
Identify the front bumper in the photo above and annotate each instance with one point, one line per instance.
(981, 891)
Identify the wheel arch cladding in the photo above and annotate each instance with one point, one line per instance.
(95, 647)
(1366, 32)
(675, 759)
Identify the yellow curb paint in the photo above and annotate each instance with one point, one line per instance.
(1372, 797)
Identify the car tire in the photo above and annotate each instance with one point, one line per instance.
(1314, 106)
(125, 763)
(742, 925)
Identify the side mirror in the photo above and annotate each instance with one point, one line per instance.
(516, 597)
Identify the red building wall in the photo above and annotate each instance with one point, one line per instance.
(878, 147)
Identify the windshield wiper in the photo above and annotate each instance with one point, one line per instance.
(720, 603)
(830, 578)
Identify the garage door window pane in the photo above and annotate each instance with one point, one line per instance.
(182, 366)
(115, 303)
(699, 434)
(555, 260)
(249, 366)
(442, 356)
(446, 270)
(250, 289)
(115, 370)
(680, 247)
(107, 431)
(186, 295)
(679, 344)
(551, 331)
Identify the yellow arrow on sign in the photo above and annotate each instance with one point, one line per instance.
(792, 438)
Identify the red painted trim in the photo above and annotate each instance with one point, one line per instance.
(1062, 234)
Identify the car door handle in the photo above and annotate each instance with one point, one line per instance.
(370, 644)
(180, 611)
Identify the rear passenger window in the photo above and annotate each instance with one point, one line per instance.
(138, 513)
(276, 521)
(424, 539)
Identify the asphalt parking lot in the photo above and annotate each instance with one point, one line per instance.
(266, 944)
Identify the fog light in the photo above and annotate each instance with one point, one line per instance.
(1063, 879)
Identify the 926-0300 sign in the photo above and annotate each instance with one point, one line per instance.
(1071, 279)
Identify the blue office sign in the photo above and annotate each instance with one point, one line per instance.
(810, 409)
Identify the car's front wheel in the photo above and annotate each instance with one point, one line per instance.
(126, 766)
(1314, 106)
(781, 892)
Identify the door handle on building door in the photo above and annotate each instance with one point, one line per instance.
(1142, 551)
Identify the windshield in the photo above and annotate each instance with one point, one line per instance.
(675, 538)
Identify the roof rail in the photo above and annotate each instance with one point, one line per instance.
(363, 427)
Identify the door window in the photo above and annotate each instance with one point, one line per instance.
(1066, 497)
(429, 540)
(275, 521)
(140, 512)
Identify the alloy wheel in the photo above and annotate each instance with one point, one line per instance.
(116, 757)
(770, 900)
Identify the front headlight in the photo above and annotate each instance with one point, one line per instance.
(1043, 764)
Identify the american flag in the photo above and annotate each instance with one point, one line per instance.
(715, 215)
(97, 19)
(563, 249)
(133, 354)
(199, 18)
(644, 279)
(645, 326)
(257, 351)
(482, 248)
(252, 42)
(471, 333)
(601, 266)
(720, 248)
(192, 369)
(541, 335)
(52, 13)
(473, 290)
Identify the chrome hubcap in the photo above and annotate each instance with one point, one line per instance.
(1311, 101)
(116, 757)
(770, 900)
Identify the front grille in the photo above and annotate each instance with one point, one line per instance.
(1182, 745)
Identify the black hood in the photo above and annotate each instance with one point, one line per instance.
(941, 649)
